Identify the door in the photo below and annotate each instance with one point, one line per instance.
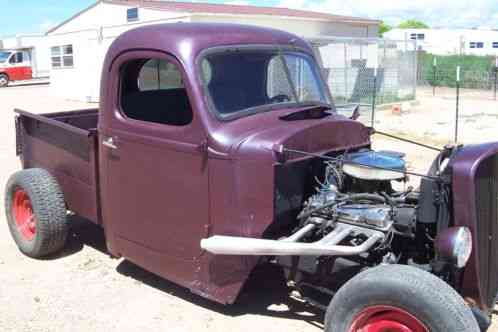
(155, 181)
(19, 66)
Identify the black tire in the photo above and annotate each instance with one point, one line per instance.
(424, 296)
(47, 204)
(4, 80)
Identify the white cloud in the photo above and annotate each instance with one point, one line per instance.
(455, 13)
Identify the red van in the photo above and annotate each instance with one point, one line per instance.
(15, 66)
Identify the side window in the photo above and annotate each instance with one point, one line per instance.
(152, 90)
(16, 58)
(26, 56)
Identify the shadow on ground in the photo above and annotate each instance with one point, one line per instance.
(82, 233)
(265, 293)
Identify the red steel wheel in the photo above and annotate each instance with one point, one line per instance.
(386, 319)
(36, 212)
(23, 214)
(398, 298)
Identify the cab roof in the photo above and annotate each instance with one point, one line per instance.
(186, 40)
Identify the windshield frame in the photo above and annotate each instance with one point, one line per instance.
(9, 54)
(269, 107)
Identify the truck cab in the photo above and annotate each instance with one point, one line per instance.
(15, 65)
(218, 147)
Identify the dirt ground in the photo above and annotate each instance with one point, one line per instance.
(84, 290)
(432, 119)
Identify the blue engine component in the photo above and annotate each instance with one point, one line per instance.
(384, 160)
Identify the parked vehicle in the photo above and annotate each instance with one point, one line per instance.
(218, 147)
(16, 65)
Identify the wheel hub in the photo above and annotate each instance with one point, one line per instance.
(23, 214)
(386, 319)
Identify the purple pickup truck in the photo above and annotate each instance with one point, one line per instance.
(218, 147)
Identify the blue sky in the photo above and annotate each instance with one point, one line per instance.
(27, 16)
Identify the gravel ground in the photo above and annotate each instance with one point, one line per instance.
(83, 289)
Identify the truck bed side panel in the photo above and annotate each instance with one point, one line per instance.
(65, 145)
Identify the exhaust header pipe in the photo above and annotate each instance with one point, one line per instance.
(327, 246)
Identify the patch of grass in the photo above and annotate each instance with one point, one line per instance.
(476, 71)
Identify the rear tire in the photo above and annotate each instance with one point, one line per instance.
(4, 80)
(398, 298)
(36, 212)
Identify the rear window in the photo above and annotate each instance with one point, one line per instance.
(159, 75)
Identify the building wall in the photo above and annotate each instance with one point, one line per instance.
(450, 41)
(91, 39)
(300, 27)
(92, 32)
(108, 15)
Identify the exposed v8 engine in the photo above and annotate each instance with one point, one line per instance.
(357, 190)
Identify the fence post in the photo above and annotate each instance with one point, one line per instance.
(346, 83)
(434, 65)
(457, 102)
(496, 76)
(496, 79)
(374, 96)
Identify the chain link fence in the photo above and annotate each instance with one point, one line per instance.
(410, 93)
(368, 71)
(478, 75)
(461, 92)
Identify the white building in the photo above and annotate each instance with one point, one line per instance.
(78, 45)
(450, 41)
(36, 48)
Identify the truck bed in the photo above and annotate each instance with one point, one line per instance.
(65, 144)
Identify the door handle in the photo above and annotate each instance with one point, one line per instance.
(109, 142)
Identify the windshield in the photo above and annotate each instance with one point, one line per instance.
(4, 56)
(241, 82)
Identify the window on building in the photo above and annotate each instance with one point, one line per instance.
(152, 90)
(495, 45)
(132, 14)
(476, 45)
(62, 56)
(417, 36)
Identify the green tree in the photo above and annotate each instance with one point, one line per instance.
(383, 28)
(413, 24)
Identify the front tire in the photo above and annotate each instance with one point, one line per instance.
(36, 212)
(4, 80)
(398, 298)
